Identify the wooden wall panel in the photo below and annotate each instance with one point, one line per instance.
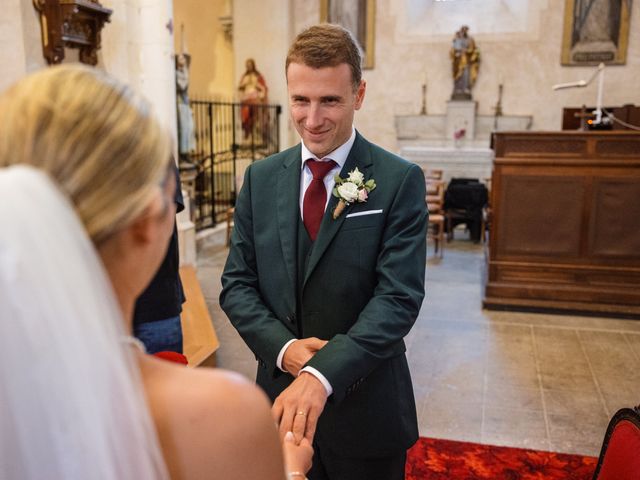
(552, 226)
(615, 218)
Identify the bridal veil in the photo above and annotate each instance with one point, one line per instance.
(71, 399)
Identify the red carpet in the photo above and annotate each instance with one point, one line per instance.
(432, 459)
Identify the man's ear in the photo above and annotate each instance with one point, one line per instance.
(362, 88)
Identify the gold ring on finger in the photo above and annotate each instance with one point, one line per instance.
(301, 413)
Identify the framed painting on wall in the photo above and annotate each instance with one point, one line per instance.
(357, 16)
(595, 31)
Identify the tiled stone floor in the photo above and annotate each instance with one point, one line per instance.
(548, 382)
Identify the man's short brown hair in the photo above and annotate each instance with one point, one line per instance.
(327, 45)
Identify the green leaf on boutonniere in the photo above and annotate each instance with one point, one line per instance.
(370, 184)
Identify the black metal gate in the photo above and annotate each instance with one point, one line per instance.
(229, 136)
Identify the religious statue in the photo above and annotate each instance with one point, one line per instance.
(186, 134)
(253, 93)
(465, 58)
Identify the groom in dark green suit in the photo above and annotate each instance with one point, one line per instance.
(325, 274)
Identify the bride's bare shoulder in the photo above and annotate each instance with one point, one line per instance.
(206, 418)
(200, 387)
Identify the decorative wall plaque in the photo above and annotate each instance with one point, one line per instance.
(73, 24)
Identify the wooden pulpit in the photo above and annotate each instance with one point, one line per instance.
(565, 228)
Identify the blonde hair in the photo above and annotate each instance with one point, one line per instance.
(93, 135)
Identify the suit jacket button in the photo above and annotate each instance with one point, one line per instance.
(291, 318)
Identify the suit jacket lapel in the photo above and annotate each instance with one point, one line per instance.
(288, 192)
(360, 157)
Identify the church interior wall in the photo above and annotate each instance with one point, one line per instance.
(526, 62)
(211, 73)
(21, 50)
(262, 30)
(520, 48)
(136, 47)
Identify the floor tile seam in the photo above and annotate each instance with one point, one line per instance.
(510, 408)
(540, 389)
(633, 350)
(593, 375)
(574, 393)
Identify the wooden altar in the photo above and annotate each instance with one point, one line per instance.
(565, 227)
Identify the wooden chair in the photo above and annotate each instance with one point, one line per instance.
(432, 174)
(620, 454)
(435, 204)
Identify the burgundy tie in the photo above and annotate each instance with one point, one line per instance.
(315, 197)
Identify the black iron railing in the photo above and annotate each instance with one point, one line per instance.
(229, 136)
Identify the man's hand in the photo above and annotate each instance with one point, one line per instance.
(299, 406)
(299, 353)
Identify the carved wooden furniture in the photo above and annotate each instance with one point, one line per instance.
(565, 229)
(71, 23)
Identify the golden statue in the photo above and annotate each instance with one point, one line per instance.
(465, 58)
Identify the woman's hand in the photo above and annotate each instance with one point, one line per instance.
(297, 458)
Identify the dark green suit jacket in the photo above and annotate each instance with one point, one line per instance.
(362, 290)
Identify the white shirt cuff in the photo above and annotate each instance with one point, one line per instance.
(281, 354)
(323, 380)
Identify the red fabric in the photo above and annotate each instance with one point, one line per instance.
(622, 458)
(315, 197)
(432, 459)
(172, 357)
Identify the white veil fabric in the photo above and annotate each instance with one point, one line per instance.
(72, 404)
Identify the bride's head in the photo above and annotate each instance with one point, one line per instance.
(63, 362)
(103, 147)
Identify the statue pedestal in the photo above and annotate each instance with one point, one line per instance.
(461, 116)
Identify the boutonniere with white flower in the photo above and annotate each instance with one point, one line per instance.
(352, 189)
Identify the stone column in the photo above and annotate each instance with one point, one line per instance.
(138, 49)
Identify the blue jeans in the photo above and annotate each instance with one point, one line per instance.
(160, 336)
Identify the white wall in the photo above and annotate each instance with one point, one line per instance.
(137, 48)
(21, 50)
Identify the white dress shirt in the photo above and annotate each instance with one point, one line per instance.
(339, 155)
